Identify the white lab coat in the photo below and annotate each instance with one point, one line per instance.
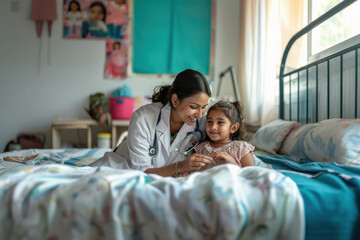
(134, 153)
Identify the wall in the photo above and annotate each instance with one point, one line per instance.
(33, 94)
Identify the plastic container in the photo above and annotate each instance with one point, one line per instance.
(104, 140)
(121, 108)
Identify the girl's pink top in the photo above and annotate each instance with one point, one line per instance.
(118, 57)
(116, 14)
(237, 149)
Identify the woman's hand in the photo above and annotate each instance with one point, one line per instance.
(224, 157)
(194, 162)
(184, 174)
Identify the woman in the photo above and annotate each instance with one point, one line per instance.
(161, 134)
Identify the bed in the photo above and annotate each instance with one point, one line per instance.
(306, 184)
(44, 200)
(315, 141)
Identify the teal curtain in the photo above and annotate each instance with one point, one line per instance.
(171, 35)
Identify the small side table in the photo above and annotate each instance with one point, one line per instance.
(60, 124)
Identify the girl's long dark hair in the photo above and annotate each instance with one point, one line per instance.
(235, 113)
(186, 84)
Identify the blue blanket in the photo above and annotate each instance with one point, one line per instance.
(331, 195)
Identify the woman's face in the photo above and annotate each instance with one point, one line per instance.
(96, 13)
(189, 109)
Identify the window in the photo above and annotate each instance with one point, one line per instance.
(336, 33)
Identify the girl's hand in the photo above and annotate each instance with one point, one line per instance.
(224, 157)
(194, 162)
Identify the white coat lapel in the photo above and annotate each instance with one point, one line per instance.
(162, 131)
(182, 134)
(181, 141)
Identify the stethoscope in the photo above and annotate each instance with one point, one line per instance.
(153, 148)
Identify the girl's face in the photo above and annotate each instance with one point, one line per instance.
(219, 127)
(116, 46)
(189, 109)
(96, 13)
(74, 7)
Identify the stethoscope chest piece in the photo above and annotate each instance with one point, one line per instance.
(152, 151)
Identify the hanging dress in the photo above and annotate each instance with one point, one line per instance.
(43, 10)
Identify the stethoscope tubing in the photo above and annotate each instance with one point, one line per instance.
(153, 148)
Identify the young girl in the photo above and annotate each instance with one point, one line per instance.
(74, 19)
(116, 64)
(226, 136)
(96, 26)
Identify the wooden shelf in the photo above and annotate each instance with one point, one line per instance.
(117, 128)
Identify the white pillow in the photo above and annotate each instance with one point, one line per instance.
(270, 137)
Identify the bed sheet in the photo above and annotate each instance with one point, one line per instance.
(226, 202)
(331, 195)
(72, 156)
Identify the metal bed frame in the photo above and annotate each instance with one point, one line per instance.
(313, 106)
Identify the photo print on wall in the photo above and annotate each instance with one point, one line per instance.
(101, 19)
(116, 58)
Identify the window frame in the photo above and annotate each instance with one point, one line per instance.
(326, 52)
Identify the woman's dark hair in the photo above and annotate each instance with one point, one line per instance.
(101, 5)
(77, 3)
(186, 84)
(235, 113)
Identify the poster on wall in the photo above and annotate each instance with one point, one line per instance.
(101, 19)
(116, 58)
(95, 19)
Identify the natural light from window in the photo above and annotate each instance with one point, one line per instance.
(337, 29)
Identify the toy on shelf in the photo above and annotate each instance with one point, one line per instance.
(99, 109)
